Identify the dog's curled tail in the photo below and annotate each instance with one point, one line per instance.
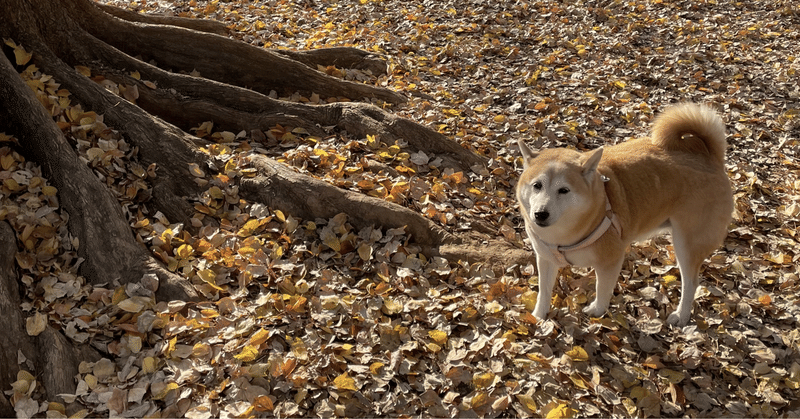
(691, 128)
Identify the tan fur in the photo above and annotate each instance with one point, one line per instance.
(675, 178)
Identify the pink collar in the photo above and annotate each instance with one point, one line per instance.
(558, 252)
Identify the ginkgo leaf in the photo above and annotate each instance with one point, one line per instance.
(36, 324)
(259, 337)
(248, 354)
(561, 410)
(438, 336)
(528, 402)
(263, 404)
(376, 367)
(577, 353)
(21, 56)
(195, 170)
(365, 252)
(131, 305)
(149, 365)
(160, 390)
(345, 382)
(483, 380)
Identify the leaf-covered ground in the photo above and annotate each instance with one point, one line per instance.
(316, 318)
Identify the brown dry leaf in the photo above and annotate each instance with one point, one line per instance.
(421, 335)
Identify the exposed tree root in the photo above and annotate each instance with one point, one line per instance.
(187, 101)
(202, 25)
(310, 198)
(217, 58)
(234, 94)
(96, 218)
(341, 57)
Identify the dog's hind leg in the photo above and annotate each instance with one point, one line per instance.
(547, 280)
(691, 248)
(607, 275)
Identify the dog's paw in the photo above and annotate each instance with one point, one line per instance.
(593, 310)
(539, 313)
(675, 319)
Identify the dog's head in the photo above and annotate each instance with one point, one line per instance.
(558, 190)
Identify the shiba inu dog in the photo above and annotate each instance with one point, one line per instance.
(585, 208)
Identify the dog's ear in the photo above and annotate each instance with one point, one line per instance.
(527, 153)
(589, 168)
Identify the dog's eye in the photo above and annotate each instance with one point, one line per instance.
(563, 191)
(537, 186)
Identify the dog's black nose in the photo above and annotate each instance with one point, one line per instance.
(541, 215)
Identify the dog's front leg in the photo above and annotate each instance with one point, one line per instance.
(607, 276)
(547, 279)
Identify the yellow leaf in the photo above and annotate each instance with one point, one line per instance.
(375, 368)
(135, 344)
(25, 376)
(171, 346)
(765, 299)
(391, 306)
(184, 251)
(21, 55)
(500, 119)
(49, 190)
(438, 336)
(91, 381)
(479, 399)
(560, 411)
(160, 390)
(210, 277)
(7, 161)
(249, 353)
(484, 380)
(345, 382)
(372, 141)
(149, 365)
(215, 192)
(259, 337)
(330, 303)
(527, 402)
(136, 75)
(249, 228)
(529, 299)
(201, 349)
(578, 354)
(669, 279)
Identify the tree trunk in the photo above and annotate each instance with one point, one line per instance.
(234, 92)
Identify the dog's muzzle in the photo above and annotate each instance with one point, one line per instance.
(541, 218)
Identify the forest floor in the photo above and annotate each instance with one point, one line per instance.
(316, 318)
